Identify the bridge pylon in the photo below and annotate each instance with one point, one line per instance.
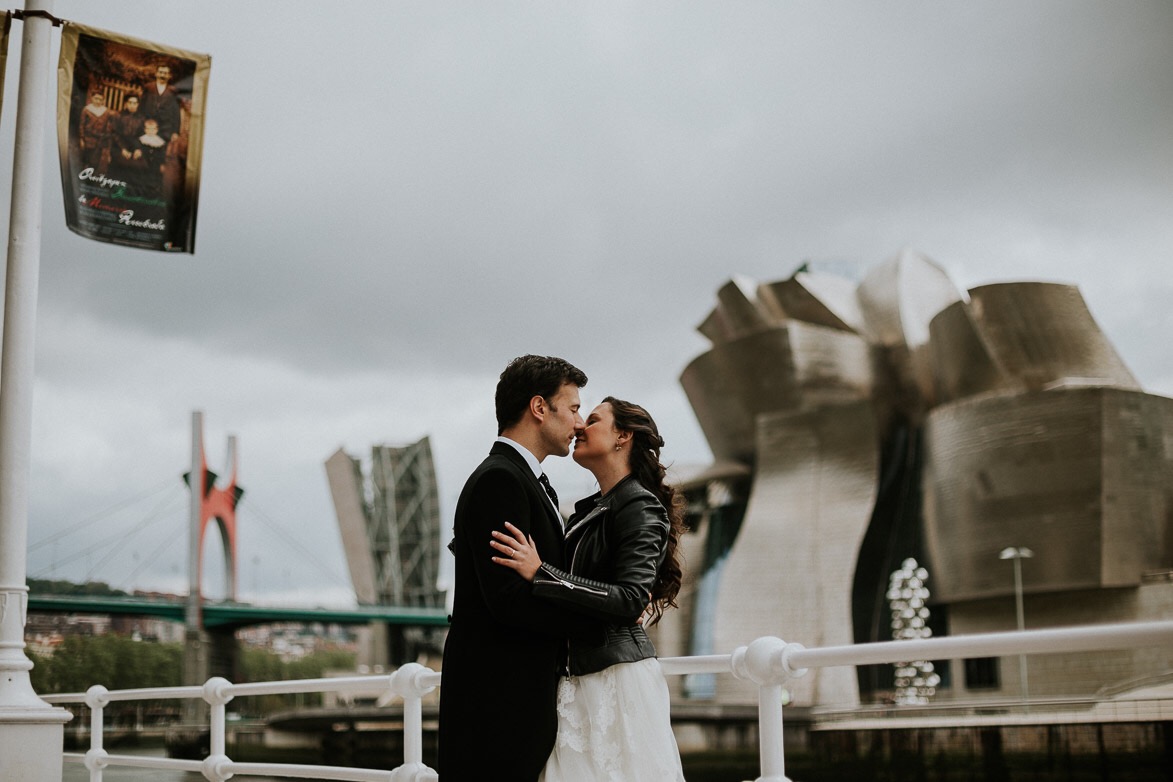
(208, 653)
(210, 504)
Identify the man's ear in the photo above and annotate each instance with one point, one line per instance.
(538, 407)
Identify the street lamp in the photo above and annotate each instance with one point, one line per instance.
(1019, 553)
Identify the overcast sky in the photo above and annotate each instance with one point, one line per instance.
(398, 198)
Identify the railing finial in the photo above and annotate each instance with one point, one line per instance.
(217, 691)
(413, 772)
(408, 681)
(96, 759)
(97, 697)
(213, 768)
(766, 661)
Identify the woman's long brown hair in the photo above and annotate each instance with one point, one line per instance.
(644, 461)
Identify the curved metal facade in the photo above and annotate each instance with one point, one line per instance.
(1006, 418)
(782, 368)
(1022, 336)
(810, 503)
(1082, 476)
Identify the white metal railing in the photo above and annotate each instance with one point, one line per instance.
(410, 682)
(768, 662)
(1060, 709)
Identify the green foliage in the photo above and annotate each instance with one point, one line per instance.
(259, 665)
(41, 586)
(120, 663)
(316, 664)
(115, 661)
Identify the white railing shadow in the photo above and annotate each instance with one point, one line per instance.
(768, 662)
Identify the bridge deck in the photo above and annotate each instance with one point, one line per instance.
(235, 614)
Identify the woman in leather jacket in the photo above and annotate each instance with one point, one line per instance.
(621, 543)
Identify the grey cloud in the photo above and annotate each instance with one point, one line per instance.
(401, 197)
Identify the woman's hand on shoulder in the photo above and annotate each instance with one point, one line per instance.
(516, 551)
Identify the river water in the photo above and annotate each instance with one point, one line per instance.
(76, 772)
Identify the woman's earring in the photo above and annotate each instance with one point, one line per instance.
(617, 446)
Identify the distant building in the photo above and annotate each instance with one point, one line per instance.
(389, 517)
(292, 641)
(145, 628)
(45, 632)
(854, 425)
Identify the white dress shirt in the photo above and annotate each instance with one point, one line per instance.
(533, 463)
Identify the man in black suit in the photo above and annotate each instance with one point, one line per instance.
(498, 696)
(160, 102)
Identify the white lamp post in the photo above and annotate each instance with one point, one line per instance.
(1019, 553)
(30, 730)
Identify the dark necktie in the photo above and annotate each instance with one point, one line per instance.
(542, 479)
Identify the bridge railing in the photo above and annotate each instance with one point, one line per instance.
(768, 662)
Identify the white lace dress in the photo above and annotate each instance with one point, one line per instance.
(614, 726)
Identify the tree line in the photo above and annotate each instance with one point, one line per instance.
(119, 663)
(46, 586)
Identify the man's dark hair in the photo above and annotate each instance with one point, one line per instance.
(530, 376)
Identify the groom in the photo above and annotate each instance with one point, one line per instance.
(498, 694)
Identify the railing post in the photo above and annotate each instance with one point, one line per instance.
(407, 683)
(766, 662)
(773, 754)
(217, 693)
(96, 698)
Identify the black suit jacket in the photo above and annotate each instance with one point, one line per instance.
(505, 648)
(164, 109)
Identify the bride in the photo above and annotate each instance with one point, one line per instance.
(613, 707)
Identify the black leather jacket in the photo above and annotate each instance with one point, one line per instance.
(614, 544)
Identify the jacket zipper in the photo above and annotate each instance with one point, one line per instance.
(569, 585)
(572, 585)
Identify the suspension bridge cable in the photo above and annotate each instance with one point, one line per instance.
(292, 543)
(150, 518)
(100, 515)
(101, 544)
(164, 545)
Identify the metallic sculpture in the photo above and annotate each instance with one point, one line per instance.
(908, 596)
(857, 425)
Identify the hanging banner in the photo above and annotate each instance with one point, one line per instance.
(130, 132)
(4, 53)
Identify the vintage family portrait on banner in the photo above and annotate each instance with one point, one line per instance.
(130, 130)
(4, 52)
